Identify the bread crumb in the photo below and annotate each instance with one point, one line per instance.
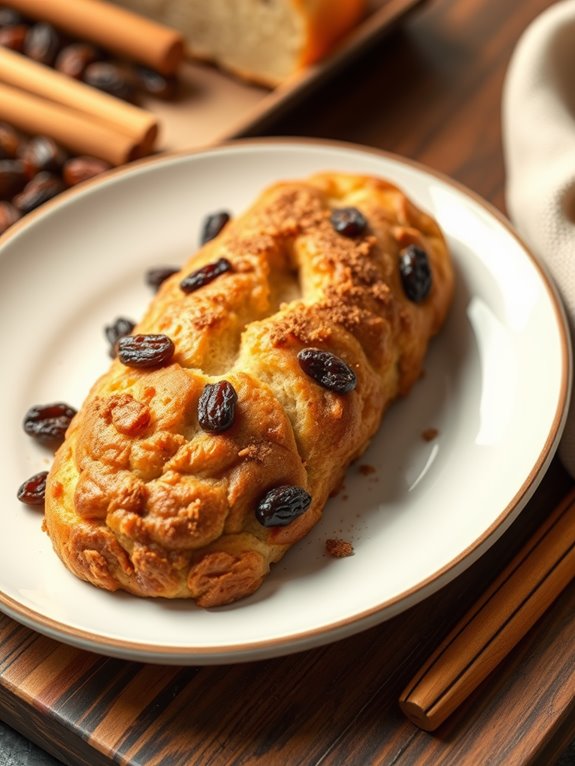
(338, 549)
(338, 490)
(366, 470)
(429, 434)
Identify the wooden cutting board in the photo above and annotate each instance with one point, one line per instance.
(333, 705)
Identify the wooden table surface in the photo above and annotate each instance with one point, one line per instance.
(430, 91)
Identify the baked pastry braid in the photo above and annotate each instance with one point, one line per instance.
(292, 332)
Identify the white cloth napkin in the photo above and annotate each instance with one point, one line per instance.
(539, 149)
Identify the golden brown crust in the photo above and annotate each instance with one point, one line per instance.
(141, 498)
(326, 22)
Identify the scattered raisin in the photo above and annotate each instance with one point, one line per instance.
(12, 178)
(13, 37)
(145, 350)
(157, 276)
(48, 422)
(10, 141)
(33, 490)
(42, 153)
(109, 78)
(37, 191)
(10, 18)
(82, 168)
(415, 273)
(328, 370)
(156, 84)
(281, 505)
(213, 224)
(74, 58)
(42, 43)
(118, 329)
(348, 221)
(205, 274)
(217, 407)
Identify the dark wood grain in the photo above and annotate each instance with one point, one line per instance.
(432, 92)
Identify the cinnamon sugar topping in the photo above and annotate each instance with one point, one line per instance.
(255, 452)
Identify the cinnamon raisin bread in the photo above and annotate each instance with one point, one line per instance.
(257, 374)
(261, 40)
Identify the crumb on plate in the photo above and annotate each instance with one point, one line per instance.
(338, 549)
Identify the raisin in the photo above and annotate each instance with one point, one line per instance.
(155, 277)
(42, 43)
(327, 369)
(108, 78)
(212, 225)
(145, 350)
(156, 84)
(13, 37)
(415, 273)
(217, 407)
(205, 274)
(48, 422)
(10, 141)
(33, 490)
(42, 153)
(83, 168)
(118, 329)
(12, 178)
(10, 18)
(281, 505)
(37, 191)
(74, 58)
(348, 221)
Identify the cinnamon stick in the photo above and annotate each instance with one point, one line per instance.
(20, 72)
(78, 132)
(495, 624)
(114, 28)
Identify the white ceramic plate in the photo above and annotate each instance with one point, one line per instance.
(496, 389)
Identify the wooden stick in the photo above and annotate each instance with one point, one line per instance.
(503, 615)
(18, 71)
(78, 132)
(114, 28)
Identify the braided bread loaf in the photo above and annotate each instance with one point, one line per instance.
(292, 335)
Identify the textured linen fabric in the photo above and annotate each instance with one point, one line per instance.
(539, 148)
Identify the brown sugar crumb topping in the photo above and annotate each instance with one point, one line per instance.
(293, 211)
(295, 324)
(338, 549)
(429, 434)
(257, 452)
(348, 316)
